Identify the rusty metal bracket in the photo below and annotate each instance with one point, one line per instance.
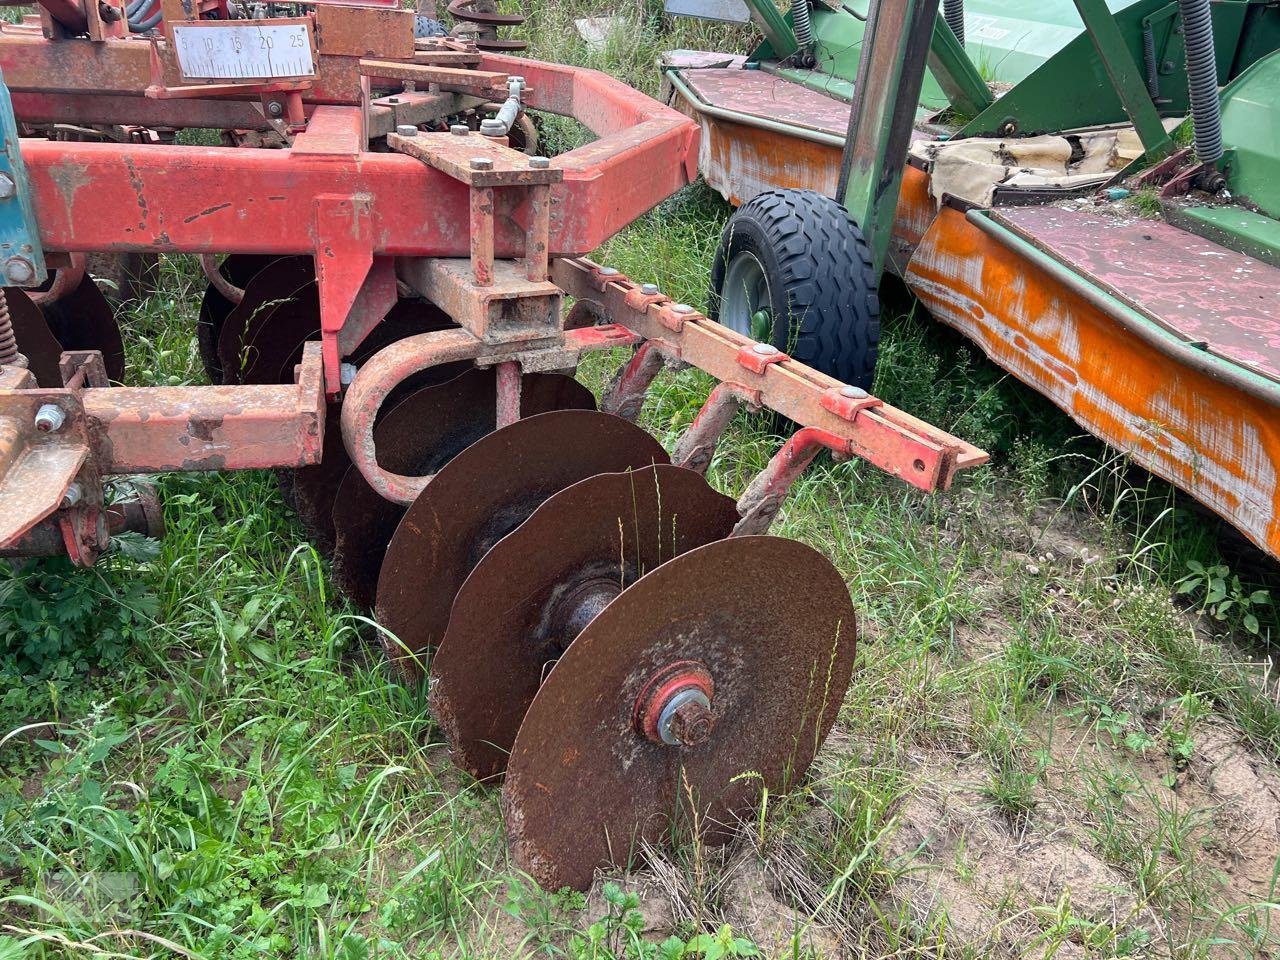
(891, 439)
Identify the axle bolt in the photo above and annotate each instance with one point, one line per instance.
(539, 163)
(7, 187)
(650, 289)
(275, 108)
(19, 270)
(50, 418)
(691, 724)
(459, 129)
(765, 349)
(686, 719)
(74, 494)
(406, 130)
(481, 163)
(853, 393)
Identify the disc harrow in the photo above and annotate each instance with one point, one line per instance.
(384, 326)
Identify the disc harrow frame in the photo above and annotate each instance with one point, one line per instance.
(382, 199)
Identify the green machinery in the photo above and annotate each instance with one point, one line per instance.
(989, 153)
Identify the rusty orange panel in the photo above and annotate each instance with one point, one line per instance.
(1216, 441)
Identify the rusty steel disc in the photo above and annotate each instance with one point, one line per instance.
(82, 319)
(518, 610)
(584, 785)
(407, 442)
(239, 269)
(36, 341)
(313, 489)
(271, 288)
(478, 498)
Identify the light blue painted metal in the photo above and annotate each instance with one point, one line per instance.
(21, 256)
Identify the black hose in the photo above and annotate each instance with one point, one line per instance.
(1202, 78)
(953, 13)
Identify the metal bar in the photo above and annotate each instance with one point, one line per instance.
(535, 243)
(482, 235)
(749, 120)
(894, 441)
(508, 377)
(955, 72)
(1125, 76)
(895, 48)
(69, 13)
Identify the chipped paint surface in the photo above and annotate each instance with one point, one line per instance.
(1217, 442)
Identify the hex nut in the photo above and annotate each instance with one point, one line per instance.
(406, 130)
(459, 129)
(540, 163)
(481, 163)
(50, 418)
(8, 188)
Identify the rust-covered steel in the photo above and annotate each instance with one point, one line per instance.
(557, 570)
(479, 497)
(780, 661)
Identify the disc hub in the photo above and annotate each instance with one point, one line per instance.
(675, 706)
(580, 605)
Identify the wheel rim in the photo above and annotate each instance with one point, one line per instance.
(745, 301)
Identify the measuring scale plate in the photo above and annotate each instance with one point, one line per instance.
(231, 50)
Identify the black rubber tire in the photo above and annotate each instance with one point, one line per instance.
(824, 292)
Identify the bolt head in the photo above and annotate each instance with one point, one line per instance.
(406, 130)
(50, 418)
(459, 129)
(275, 108)
(481, 163)
(854, 393)
(74, 494)
(650, 289)
(393, 99)
(7, 187)
(608, 271)
(539, 163)
(765, 349)
(19, 270)
(492, 128)
(682, 308)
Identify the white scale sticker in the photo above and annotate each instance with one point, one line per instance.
(244, 51)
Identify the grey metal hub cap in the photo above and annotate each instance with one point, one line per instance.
(745, 301)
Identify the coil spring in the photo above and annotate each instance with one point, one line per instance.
(1202, 78)
(487, 22)
(802, 23)
(8, 340)
(953, 13)
(1149, 60)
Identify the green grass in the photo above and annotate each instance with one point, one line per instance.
(202, 753)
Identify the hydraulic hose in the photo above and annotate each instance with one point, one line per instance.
(1202, 78)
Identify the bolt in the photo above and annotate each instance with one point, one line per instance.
(7, 187)
(682, 308)
(346, 373)
(853, 393)
(539, 163)
(493, 128)
(608, 271)
(686, 719)
(50, 418)
(74, 494)
(481, 163)
(459, 129)
(19, 270)
(406, 129)
(691, 724)
(275, 108)
(765, 349)
(650, 289)
(393, 99)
